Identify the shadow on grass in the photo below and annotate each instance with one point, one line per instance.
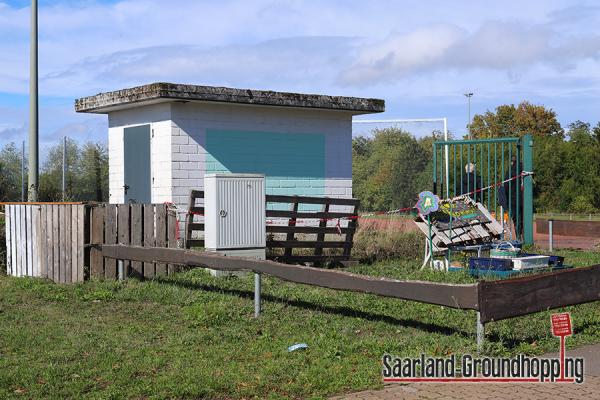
(338, 310)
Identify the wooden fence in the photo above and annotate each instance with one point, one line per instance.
(194, 220)
(284, 227)
(46, 240)
(495, 300)
(61, 241)
(148, 225)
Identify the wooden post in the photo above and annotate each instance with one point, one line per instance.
(149, 238)
(7, 217)
(352, 225)
(291, 222)
(322, 224)
(110, 237)
(172, 232)
(97, 240)
(136, 237)
(161, 235)
(123, 230)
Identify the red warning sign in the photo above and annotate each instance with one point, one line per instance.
(561, 324)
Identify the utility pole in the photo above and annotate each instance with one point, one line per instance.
(64, 169)
(468, 96)
(33, 106)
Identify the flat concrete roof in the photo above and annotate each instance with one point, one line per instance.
(103, 103)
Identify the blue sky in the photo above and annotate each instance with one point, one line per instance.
(418, 56)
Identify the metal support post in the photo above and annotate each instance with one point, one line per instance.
(480, 333)
(550, 238)
(257, 284)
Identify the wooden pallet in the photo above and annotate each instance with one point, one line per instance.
(484, 230)
(288, 224)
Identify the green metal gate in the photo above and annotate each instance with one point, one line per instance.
(502, 168)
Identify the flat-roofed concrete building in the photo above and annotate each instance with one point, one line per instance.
(163, 138)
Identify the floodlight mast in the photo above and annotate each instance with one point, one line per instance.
(394, 120)
(33, 184)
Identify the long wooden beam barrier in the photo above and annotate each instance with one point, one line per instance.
(527, 295)
(461, 296)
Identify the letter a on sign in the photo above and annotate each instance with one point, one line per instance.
(561, 324)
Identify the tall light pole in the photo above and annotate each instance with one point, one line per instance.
(468, 96)
(32, 194)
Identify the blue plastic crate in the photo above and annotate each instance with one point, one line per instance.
(492, 264)
(493, 274)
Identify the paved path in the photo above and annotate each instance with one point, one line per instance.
(590, 389)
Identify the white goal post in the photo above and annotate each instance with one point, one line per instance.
(417, 120)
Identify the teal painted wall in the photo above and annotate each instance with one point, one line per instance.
(293, 163)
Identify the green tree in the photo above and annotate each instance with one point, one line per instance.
(388, 169)
(87, 173)
(10, 173)
(508, 120)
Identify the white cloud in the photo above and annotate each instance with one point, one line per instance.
(496, 45)
(419, 56)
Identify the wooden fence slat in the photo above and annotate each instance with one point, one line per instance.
(352, 225)
(110, 232)
(274, 198)
(15, 235)
(29, 241)
(37, 233)
(462, 296)
(136, 237)
(17, 245)
(74, 243)
(305, 244)
(23, 241)
(291, 222)
(307, 214)
(66, 211)
(161, 235)
(56, 245)
(81, 224)
(508, 298)
(33, 240)
(97, 214)
(321, 235)
(194, 211)
(148, 211)
(16, 242)
(172, 229)
(42, 243)
(307, 229)
(7, 222)
(123, 231)
(49, 242)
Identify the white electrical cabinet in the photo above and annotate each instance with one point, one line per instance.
(234, 207)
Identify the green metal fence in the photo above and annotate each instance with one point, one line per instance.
(496, 179)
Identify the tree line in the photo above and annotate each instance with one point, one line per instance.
(86, 174)
(391, 167)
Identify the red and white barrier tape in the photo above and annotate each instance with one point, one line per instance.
(376, 213)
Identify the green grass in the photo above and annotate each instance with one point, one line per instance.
(193, 336)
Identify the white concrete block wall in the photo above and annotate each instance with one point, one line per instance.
(192, 120)
(179, 145)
